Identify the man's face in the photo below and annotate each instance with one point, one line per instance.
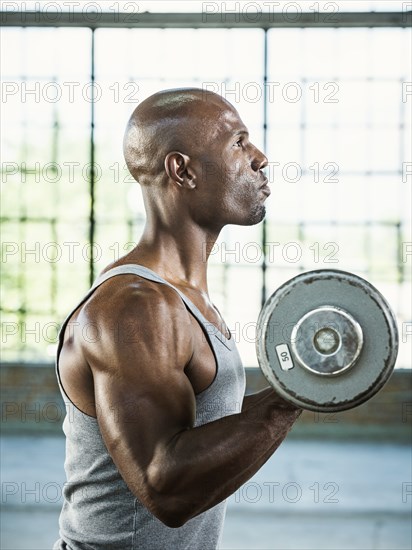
(233, 187)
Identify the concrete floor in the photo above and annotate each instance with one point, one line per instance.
(309, 495)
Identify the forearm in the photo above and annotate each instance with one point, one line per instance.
(204, 465)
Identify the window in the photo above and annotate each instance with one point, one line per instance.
(330, 106)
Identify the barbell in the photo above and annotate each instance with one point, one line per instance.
(327, 340)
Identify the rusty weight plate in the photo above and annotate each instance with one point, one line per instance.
(327, 340)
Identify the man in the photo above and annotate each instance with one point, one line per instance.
(158, 430)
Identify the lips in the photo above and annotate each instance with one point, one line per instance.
(265, 187)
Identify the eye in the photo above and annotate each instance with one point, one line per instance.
(239, 142)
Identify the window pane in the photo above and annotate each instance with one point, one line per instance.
(46, 129)
(340, 146)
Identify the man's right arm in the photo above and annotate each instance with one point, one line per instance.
(146, 411)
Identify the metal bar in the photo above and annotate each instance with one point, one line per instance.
(92, 217)
(378, 223)
(322, 172)
(262, 20)
(399, 254)
(265, 140)
(53, 222)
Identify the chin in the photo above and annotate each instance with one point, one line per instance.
(253, 217)
(257, 216)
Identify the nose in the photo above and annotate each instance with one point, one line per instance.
(259, 161)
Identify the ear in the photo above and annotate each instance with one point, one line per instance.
(178, 168)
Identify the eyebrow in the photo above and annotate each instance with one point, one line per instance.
(241, 133)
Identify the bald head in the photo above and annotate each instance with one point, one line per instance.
(170, 120)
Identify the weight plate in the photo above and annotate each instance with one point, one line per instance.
(316, 315)
(327, 340)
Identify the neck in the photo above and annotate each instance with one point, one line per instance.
(179, 253)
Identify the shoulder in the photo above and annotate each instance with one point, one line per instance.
(130, 295)
(129, 312)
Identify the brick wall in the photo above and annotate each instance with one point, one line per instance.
(387, 415)
(31, 403)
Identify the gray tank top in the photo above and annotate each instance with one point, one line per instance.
(99, 511)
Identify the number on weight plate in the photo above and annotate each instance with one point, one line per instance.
(284, 357)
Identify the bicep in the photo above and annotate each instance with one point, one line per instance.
(143, 397)
(137, 416)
